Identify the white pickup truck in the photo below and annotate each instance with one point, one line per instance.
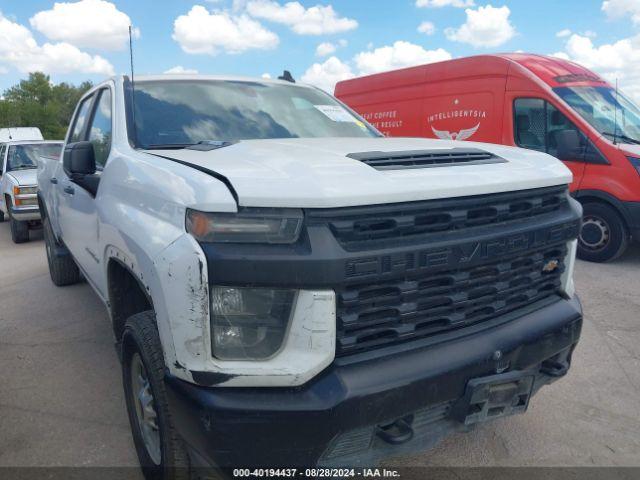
(289, 288)
(20, 151)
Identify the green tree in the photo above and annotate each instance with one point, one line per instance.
(36, 102)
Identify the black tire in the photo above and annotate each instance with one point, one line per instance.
(140, 340)
(19, 230)
(1, 216)
(63, 270)
(604, 235)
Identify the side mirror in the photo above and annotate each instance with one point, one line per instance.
(569, 145)
(79, 158)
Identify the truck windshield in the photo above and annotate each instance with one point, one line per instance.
(175, 113)
(610, 114)
(22, 157)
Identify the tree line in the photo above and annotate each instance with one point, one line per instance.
(36, 102)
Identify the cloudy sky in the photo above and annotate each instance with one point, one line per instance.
(320, 41)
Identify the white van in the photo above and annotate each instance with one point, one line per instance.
(20, 133)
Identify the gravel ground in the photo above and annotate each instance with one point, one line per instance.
(61, 398)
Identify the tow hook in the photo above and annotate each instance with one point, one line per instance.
(397, 432)
(554, 368)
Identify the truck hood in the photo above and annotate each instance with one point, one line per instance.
(316, 173)
(25, 177)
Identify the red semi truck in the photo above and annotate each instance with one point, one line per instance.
(530, 101)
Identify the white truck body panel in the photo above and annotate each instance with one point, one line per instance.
(315, 172)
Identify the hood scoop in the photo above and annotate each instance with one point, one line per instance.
(426, 158)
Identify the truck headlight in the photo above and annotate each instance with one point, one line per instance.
(250, 225)
(249, 323)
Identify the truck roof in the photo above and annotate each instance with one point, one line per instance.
(32, 142)
(192, 76)
(552, 71)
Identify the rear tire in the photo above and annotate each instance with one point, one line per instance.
(19, 230)
(160, 450)
(63, 270)
(604, 235)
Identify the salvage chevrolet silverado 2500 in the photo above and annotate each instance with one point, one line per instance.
(288, 287)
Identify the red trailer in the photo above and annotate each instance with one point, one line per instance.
(530, 101)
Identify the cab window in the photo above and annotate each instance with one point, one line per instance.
(100, 128)
(539, 126)
(80, 121)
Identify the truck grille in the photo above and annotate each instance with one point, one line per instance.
(361, 228)
(373, 315)
(421, 269)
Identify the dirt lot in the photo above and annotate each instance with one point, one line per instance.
(61, 398)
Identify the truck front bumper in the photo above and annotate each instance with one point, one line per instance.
(24, 214)
(356, 413)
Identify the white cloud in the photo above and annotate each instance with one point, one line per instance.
(444, 3)
(19, 49)
(179, 69)
(485, 27)
(563, 33)
(399, 55)
(428, 28)
(622, 9)
(87, 23)
(266, 76)
(327, 48)
(619, 60)
(317, 20)
(326, 75)
(202, 32)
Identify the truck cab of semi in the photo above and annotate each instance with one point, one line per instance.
(541, 103)
(20, 151)
(289, 288)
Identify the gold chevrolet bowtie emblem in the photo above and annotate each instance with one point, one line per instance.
(550, 266)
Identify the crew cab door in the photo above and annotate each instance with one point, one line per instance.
(539, 125)
(78, 213)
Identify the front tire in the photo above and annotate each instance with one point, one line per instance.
(161, 453)
(604, 235)
(63, 270)
(19, 230)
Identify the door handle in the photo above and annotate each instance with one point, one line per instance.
(54, 180)
(69, 189)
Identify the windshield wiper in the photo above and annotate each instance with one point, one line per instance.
(622, 137)
(167, 146)
(203, 145)
(24, 167)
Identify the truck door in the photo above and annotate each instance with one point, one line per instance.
(79, 220)
(3, 150)
(539, 125)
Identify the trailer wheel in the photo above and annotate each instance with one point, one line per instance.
(19, 230)
(604, 235)
(63, 269)
(161, 452)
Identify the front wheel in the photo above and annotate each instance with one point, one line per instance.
(19, 231)
(604, 236)
(160, 451)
